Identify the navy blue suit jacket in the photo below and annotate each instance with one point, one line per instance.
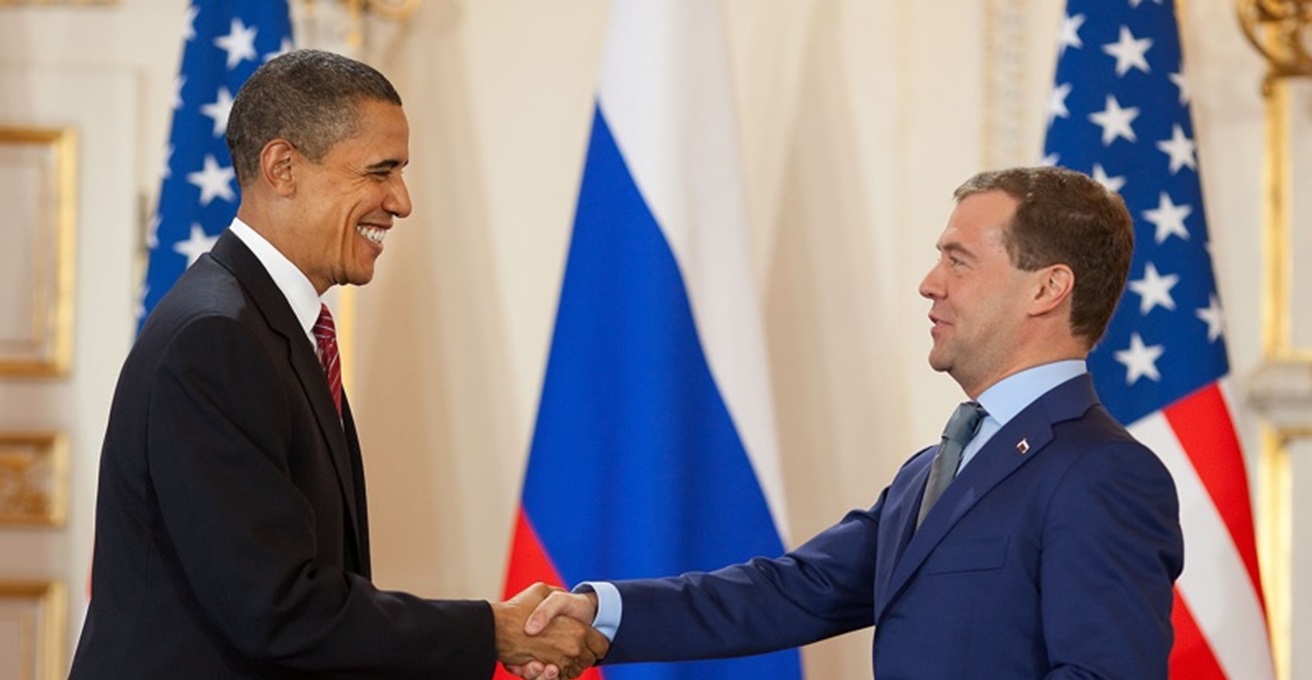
(1053, 554)
(231, 530)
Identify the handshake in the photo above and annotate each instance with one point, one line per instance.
(544, 633)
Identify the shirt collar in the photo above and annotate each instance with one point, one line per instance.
(293, 283)
(1015, 392)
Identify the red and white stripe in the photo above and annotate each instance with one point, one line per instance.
(1220, 614)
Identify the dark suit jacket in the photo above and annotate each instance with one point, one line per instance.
(231, 531)
(1052, 554)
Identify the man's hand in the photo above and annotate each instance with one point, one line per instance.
(559, 647)
(581, 607)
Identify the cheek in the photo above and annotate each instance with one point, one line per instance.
(1003, 312)
(979, 316)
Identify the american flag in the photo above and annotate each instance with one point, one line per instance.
(224, 42)
(1120, 112)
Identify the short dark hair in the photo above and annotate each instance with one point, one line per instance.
(310, 98)
(1066, 217)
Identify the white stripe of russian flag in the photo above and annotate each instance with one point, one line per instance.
(688, 172)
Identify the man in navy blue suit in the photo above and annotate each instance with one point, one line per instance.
(1053, 549)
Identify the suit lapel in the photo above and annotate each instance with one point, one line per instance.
(898, 523)
(361, 518)
(230, 252)
(1019, 442)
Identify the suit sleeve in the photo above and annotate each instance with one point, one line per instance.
(822, 589)
(219, 439)
(1112, 550)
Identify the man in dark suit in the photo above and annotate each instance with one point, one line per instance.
(1052, 550)
(231, 527)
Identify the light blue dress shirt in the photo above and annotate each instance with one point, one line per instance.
(1013, 394)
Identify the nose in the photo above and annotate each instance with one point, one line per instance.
(931, 286)
(398, 199)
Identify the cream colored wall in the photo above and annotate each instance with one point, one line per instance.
(856, 118)
(91, 70)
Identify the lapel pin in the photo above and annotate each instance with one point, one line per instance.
(1023, 446)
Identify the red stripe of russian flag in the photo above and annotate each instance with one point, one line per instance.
(529, 564)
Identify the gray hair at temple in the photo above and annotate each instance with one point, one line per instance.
(310, 98)
(1067, 217)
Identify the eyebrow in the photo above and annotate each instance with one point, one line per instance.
(389, 164)
(955, 248)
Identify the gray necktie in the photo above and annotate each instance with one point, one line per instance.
(960, 429)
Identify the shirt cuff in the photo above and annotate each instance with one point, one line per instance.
(610, 606)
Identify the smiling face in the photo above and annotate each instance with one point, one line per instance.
(344, 204)
(980, 300)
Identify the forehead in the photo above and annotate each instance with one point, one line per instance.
(979, 219)
(382, 133)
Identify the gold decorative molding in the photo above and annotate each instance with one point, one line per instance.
(33, 479)
(32, 615)
(1276, 538)
(1277, 229)
(397, 10)
(36, 266)
(1276, 29)
(1007, 72)
(1281, 389)
(358, 10)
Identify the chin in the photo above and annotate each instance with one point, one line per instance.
(360, 278)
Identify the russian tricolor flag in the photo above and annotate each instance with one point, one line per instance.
(654, 451)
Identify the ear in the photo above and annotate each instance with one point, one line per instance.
(1056, 284)
(277, 160)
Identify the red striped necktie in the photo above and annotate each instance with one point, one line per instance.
(325, 338)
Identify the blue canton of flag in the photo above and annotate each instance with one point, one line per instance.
(1119, 111)
(225, 41)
